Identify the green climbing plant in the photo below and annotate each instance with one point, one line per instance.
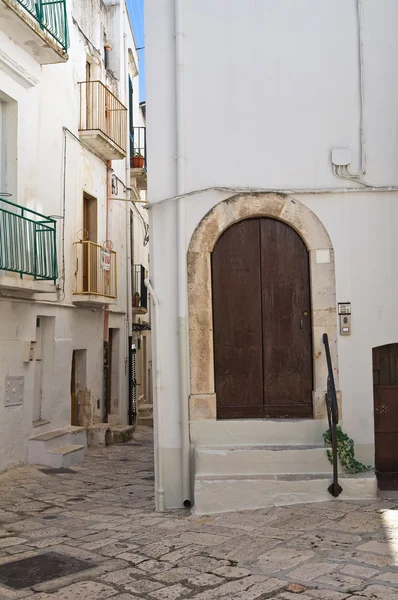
(345, 451)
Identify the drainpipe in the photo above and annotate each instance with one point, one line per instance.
(106, 307)
(181, 253)
(158, 403)
(129, 302)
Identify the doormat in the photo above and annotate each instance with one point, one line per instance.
(387, 482)
(54, 471)
(31, 571)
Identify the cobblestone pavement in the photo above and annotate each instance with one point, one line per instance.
(102, 513)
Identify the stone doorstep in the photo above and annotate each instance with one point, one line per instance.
(229, 493)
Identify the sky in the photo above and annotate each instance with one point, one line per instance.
(136, 10)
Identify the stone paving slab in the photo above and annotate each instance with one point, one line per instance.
(102, 512)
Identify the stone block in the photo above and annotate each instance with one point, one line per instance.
(199, 268)
(99, 435)
(201, 362)
(319, 404)
(306, 223)
(122, 434)
(256, 205)
(202, 407)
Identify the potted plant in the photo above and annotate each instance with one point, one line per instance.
(136, 299)
(137, 161)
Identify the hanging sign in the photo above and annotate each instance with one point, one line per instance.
(105, 259)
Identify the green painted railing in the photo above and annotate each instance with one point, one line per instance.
(51, 16)
(28, 243)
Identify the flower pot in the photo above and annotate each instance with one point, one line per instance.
(136, 301)
(137, 162)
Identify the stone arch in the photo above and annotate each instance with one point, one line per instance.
(323, 291)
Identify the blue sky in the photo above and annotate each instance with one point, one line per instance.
(136, 10)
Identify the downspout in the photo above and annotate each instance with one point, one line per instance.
(106, 306)
(158, 403)
(181, 254)
(129, 316)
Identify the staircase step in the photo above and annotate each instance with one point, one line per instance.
(260, 460)
(217, 494)
(66, 456)
(40, 446)
(49, 435)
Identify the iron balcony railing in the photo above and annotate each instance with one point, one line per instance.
(51, 16)
(95, 270)
(138, 148)
(332, 406)
(140, 291)
(28, 242)
(100, 110)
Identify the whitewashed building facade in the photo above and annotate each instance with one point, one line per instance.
(73, 245)
(273, 121)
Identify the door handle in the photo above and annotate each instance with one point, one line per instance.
(301, 324)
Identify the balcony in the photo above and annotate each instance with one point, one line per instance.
(103, 121)
(139, 290)
(95, 274)
(138, 172)
(40, 27)
(28, 250)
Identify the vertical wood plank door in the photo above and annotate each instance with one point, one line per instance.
(385, 380)
(237, 322)
(262, 322)
(286, 308)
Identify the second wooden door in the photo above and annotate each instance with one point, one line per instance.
(262, 322)
(385, 381)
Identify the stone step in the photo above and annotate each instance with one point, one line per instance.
(41, 445)
(260, 460)
(66, 456)
(55, 434)
(217, 494)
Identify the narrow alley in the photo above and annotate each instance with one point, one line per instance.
(91, 532)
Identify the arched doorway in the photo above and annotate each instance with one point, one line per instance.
(385, 393)
(262, 322)
(225, 214)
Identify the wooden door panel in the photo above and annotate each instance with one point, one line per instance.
(286, 312)
(385, 393)
(237, 322)
(386, 409)
(386, 451)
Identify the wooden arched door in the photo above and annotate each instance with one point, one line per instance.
(262, 322)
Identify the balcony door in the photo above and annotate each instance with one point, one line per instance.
(90, 250)
(262, 322)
